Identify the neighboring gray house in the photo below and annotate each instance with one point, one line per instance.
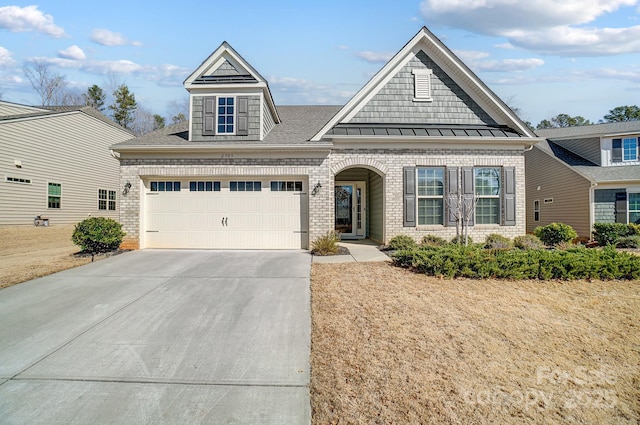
(585, 175)
(56, 163)
(245, 173)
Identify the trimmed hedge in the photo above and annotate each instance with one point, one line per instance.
(402, 242)
(98, 234)
(555, 233)
(478, 263)
(612, 233)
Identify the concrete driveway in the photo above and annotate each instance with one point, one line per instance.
(160, 337)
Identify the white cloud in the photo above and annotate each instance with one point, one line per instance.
(6, 61)
(507, 46)
(479, 61)
(105, 37)
(290, 90)
(29, 19)
(72, 52)
(546, 26)
(375, 57)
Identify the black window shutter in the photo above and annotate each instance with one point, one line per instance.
(409, 197)
(468, 193)
(621, 207)
(451, 196)
(209, 116)
(616, 151)
(509, 196)
(242, 112)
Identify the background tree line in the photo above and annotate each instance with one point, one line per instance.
(119, 103)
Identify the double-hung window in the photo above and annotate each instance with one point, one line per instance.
(630, 149)
(226, 113)
(106, 199)
(430, 196)
(487, 192)
(634, 208)
(54, 195)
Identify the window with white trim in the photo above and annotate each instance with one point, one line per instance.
(422, 85)
(487, 191)
(17, 180)
(54, 195)
(106, 199)
(226, 114)
(634, 208)
(630, 149)
(430, 195)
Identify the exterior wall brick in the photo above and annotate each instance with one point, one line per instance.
(321, 172)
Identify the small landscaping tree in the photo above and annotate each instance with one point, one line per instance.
(98, 234)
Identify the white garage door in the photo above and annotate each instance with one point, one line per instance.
(233, 213)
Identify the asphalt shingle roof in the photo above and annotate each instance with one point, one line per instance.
(298, 124)
(592, 171)
(590, 130)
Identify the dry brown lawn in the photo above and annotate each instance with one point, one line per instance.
(28, 252)
(393, 347)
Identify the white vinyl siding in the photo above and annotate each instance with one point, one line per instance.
(70, 149)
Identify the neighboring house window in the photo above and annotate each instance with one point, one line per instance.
(106, 199)
(204, 186)
(226, 114)
(54, 195)
(630, 149)
(245, 186)
(634, 208)
(281, 186)
(165, 186)
(536, 210)
(430, 196)
(422, 85)
(17, 180)
(487, 191)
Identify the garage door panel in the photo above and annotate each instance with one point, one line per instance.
(226, 220)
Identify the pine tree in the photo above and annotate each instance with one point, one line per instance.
(123, 106)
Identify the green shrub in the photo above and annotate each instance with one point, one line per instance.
(609, 233)
(326, 244)
(402, 242)
(554, 233)
(527, 242)
(98, 234)
(497, 241)
(475, 262)
(634, 229)
(433, 241)
(632, 241)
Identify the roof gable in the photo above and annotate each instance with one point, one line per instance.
(226, 69)
(465, 99)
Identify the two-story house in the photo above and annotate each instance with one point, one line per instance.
(55, 162)
(421, 139)
(585, 175)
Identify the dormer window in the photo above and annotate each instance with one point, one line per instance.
(422, 85)
(625, 149)
(226, 115)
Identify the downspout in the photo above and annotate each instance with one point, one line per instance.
(592, 209)
(114, 154)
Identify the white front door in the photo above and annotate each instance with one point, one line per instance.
(350, 209)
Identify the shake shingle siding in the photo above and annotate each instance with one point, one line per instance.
(254, 122)
(394, 102)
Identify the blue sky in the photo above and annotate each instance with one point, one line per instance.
(544, 57)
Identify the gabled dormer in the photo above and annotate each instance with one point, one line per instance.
(229, 100)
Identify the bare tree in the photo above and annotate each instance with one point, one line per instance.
(49, 85)
(462, 209)
(143, 122)
(179, 110)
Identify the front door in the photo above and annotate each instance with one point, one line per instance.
(350, 209)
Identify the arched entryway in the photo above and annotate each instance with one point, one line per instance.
(359, 203)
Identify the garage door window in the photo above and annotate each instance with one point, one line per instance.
(245, 186)
(165, 186)
(282, 186)
(204, 186)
